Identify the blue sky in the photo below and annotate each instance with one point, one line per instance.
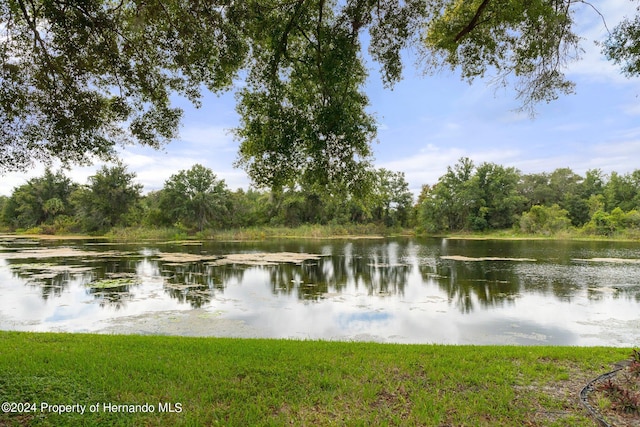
(427, 123)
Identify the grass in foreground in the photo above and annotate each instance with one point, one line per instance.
(276, 382)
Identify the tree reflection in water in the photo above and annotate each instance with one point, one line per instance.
(381, 273)
(381, 268)
(489, 283)
(51, 279)
(197, 283)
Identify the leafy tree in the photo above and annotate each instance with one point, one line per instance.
(196, 198)
(452, 200)
(154, 215)
(562, 187)
(622, 191)
(545, 219)
(593, 184)
(107, 199)
(3, 202)
(78, 77)
(531, 41)
(249, 208)
(498, 200)
(535, 189)
(567, 189)
(623, 45)
(595, 203)
(577, 208)
(608, 223)
(295, 206)
(40, 200)
(303, 117)
(466, 197)
(73, 74)
(563, 181)
(391, 199)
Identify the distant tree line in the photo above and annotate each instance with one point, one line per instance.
(491, 197)
(468, 197)
(194, 200)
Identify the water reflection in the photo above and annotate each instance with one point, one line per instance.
(115, 298)
(379, 269)
(410, 288)
(196, 283)
(49, 278)
(314, 280)
(467, 283)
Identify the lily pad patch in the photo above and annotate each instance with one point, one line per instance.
(112, 283)
(466, 258)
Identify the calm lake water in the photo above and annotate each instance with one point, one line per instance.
(389, 290)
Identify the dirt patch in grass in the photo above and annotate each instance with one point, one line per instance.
(557, 402)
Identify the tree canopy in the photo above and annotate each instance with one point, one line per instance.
(196, 197)
(79, 78)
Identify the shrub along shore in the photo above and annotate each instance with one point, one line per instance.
(316, 231)
(160, 380)
(467, 198)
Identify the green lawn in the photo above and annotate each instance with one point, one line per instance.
(218, 381)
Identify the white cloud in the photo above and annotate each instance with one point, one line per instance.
(590, 26)
(432, 162)
(209, 137)
(151, 169)
(10, 181)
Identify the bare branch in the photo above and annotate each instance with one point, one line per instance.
(604, 21)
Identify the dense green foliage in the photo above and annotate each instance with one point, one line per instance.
(529, 40)
(194, 200)
(492, 197)
(45, 201)
(77, 78)
(240, 382)
(467, 198)
(108, 199)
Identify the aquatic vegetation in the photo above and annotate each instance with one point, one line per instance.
(611, 260)
(112, 283)
(53, 268)
(466, 258)
(62, 252)
(266, 258)
(259, 258)
(180, 257)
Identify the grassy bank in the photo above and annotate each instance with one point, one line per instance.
(211, 381)
(314, 231)
(318, 231)
(509, 234)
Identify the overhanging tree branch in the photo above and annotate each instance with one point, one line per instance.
(473, 23)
